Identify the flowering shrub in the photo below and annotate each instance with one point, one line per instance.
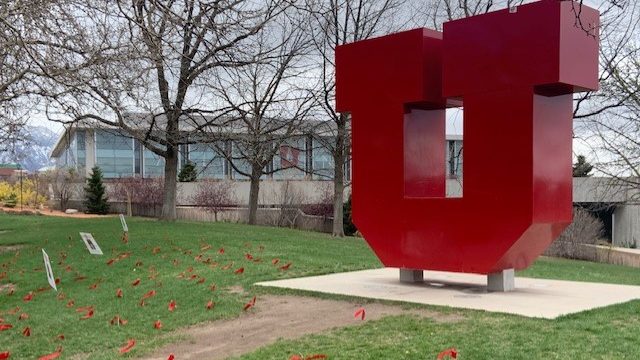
(10, 192)
(138, 190)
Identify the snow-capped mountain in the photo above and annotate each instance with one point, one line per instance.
(33, 152)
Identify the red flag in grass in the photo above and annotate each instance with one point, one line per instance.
(150, 293)
(210, 305)
(275, 261)
(4, 355)
(248, 256)
(28, 297)
(157, 325)
(172, 305)
(4, 327)
(111, 261)
(119, 293)
(71, 303)
(53, 355)
(250, 304)
(23, 316)
(93, 286)
(221, 251)
(130, 344)
(452, 352)
(359, 314)
(136, 282)
(117, 320)
(60, 337)
(310, 357)
(286, 266)
(26, 331)
(87, 315)
(171, 357)
(239, 271)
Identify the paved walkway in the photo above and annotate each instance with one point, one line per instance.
(532, 298)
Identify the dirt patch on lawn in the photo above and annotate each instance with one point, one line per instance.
(278, 317)
(10, 248)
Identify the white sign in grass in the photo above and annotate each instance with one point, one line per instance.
(91, 243)
(47, 268)
(125, 228)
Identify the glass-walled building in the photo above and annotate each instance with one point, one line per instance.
(302, 157)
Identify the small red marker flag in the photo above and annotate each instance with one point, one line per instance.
(119, 293)
(157, 325)
(286, 266)
(359, 314)
(23, 316)
(171, 357)
(136, 282)
(275, 261)
(4, 327)
(172, 305)
(210, 305)
(452, 352)
(150, 293)
(130, 344)
(53, 355)
(26, 331)
(239, 271)
(88, 315)
(221, 251)
(250, 304)
(4, 355)
(28, 297)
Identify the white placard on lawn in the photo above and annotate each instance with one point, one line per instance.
(125, 228)
(91, 243)
(47, 268)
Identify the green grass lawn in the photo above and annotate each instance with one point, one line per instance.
(161, 255)
(160, 252)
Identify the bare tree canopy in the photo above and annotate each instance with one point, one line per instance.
(268, 101)
(142, 66)
(335, 23)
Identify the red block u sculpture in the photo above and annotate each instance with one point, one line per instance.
(515, 71)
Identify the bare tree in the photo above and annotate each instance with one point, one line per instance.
(213, 196)
(267, 102)
(611, 127)
(17, 18)
(141, 65)
(335, 23)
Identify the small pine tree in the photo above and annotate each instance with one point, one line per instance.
(188, 173)
(95, 198)
(582, 168)
(347, 221)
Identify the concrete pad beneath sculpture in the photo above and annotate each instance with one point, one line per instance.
(531, 297)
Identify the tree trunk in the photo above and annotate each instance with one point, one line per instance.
(339, 156)
(170, 184)
(253, 194)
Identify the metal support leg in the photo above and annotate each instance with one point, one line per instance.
(411, 276)
(502, 281)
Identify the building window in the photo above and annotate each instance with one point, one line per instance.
(291, 159)
(153, 164)
(323, 167)
(114, 154)
(209, 163)
(138, 157)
